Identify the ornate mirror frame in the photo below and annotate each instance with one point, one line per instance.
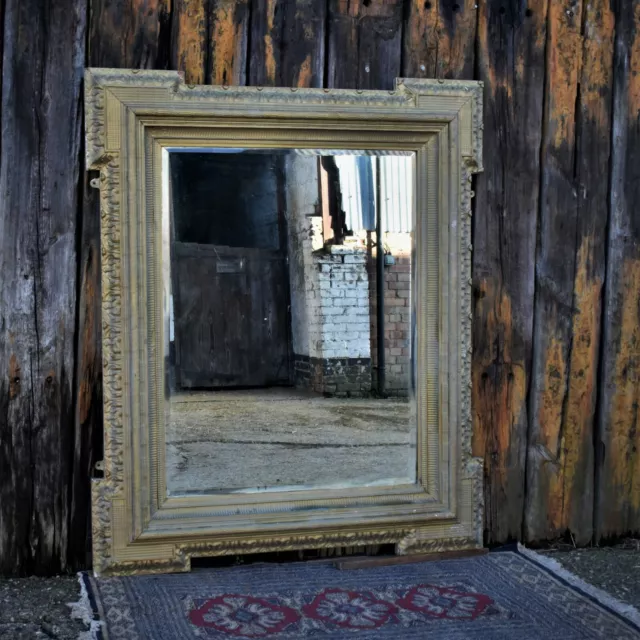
(132, 117)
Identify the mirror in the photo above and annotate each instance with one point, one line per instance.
(289, 323)
(277, 375)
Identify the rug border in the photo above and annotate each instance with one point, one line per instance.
(625, 612)
(98, 630)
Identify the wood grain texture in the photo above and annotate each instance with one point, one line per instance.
(365, 43)
(618, 477)
(2, 8)
(569, 271)
(43, 60)
(439, 39)
(511, 63)
(129, 34)
(210, 39)
(229, 29)
(287, 43)
(190, 39)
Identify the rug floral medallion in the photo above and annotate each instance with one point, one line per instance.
(244, 616)
(499, 596)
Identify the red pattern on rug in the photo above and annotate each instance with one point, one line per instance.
(238, 615)
(244, 616)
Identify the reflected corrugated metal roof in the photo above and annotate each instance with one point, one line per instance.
(357, 183)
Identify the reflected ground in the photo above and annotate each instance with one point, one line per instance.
(285, 437)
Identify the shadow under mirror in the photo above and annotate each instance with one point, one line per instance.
(289, 320)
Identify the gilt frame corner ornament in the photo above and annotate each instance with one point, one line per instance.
(132, 117)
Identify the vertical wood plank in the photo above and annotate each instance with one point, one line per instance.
(229, 20)
(511, 42)
(126, 33)
(618, 475)
(570, 271)
(439, 39)
(2, 8)
(210, 40)
(267, 18)
(365, 43)
(190, 40)
(41, 113)
(287, 43)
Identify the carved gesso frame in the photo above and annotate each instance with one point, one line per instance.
(131, 116)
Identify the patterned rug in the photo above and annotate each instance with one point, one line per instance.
(498, 596)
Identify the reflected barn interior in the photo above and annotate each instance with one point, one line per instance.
(289, 324)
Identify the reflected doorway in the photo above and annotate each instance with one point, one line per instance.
(230, 279)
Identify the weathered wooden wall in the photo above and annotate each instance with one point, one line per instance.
(556, 369)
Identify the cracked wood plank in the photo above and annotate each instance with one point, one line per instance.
(365, 44)
(511, 44)
(618, 441)
(41, 113)
(570, 267)
(439, 39)
(287, 43)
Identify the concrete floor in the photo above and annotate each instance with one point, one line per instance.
(276, 438)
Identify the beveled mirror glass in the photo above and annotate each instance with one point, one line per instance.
(286, 326)
(275, 379)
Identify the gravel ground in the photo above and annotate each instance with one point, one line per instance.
(613, 569)
(33, 608)
(36, 608)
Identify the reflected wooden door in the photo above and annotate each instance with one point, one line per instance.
(231, 316)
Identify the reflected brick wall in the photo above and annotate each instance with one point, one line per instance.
(397, 315)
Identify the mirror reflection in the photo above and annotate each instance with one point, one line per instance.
(289, 324)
